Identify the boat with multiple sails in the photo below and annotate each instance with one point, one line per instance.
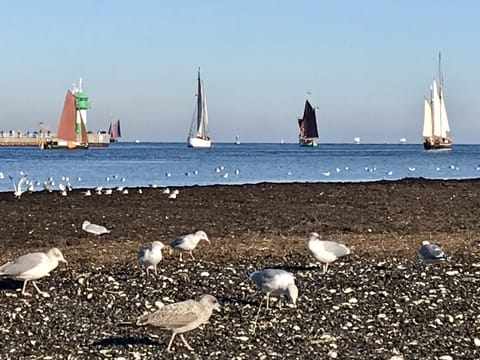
(72, 131)
(114, 131)
(436, 129)
(308, 126)
(198, 136)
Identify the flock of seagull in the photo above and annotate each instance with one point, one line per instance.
(187, 315)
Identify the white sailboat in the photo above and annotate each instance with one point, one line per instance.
(356, 140)
(436, 129)
(198, 136)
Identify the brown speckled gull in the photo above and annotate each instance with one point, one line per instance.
(181, 317)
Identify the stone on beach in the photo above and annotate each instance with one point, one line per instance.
(31, 267)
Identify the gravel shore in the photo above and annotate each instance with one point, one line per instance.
(379, 302)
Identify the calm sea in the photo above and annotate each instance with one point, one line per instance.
(173, 164)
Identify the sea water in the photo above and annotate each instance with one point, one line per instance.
(174, 164)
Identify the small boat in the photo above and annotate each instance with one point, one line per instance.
(237, 140)
(198, 135)
(72, 132)
(403, 140)
(114, 131)
(436, 129)
(356, 140)
(308, 126)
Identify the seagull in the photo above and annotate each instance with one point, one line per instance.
(431, 253)
(47, 187)
(188, 242)
(325, 251)
(166, 191)
(87, 193)
(151, 255)
(32, 267)
(275, 282)
(94, 229)
(17, 189)
(181, 317)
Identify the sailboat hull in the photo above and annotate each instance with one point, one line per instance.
(308, 142)
(195, 142)
(436, 145)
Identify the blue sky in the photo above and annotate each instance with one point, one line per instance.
(367, 64)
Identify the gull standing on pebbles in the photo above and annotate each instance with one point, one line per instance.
(188, 242)
(94, 229)
(181, 317)
(275, 282)
(325, 251)
(151, 255)
(431, 253)
(32, 267)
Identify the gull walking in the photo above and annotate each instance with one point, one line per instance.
(431, 253)
(181, 317)
(188, 242)
(151, 255)
(325, 251)
(94, 229)
(32, 267)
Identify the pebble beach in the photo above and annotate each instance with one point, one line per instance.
(379, 302)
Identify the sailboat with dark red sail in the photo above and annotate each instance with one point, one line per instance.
(114, 131)
(72, 132)
(308, 126)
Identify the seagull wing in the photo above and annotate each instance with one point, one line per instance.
(174, 315)
(13, 183)
(23, 264)
(336, 248)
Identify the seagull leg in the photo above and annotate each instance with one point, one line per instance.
(43, 293)
(325, 267)
(268, 300)
(181, 257)
(191, 254)
(256, 317)
(170, 342)
(185, 342)
(23, 289)
(155, 267)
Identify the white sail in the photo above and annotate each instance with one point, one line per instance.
(436, 113)
(427, 120)
(198, 135)
(444, 118)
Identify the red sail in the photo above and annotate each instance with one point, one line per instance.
(66, 128)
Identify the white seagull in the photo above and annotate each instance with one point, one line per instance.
(325, 251)
(431, 253)
(188, 242)
(275, 282)
(32, 267)
(17, 189)
(94, 229)
(151, 255)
